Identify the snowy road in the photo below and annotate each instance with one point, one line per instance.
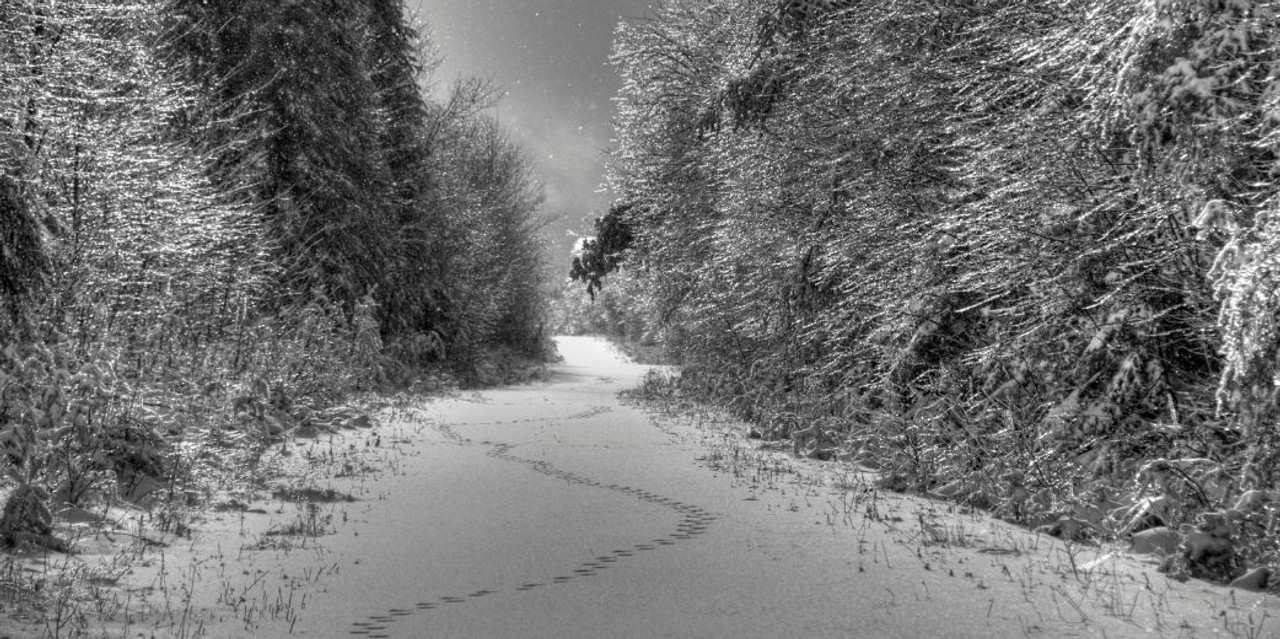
(554, 511)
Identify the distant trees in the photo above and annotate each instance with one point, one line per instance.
(1013, 235)
(498, 268)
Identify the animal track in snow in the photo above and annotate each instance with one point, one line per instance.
(693, 522)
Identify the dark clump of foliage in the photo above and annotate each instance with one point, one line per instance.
(602, 254)
(219, 219)
(23, 264)
(1019, 253)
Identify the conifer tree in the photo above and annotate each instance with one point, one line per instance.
(290, 84)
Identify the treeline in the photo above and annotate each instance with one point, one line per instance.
(1022, 252)
(219, 216)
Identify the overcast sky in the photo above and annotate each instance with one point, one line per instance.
(551, 56)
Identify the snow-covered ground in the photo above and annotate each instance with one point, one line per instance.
(554, 510)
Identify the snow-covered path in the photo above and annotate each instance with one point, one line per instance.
(554, 511)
